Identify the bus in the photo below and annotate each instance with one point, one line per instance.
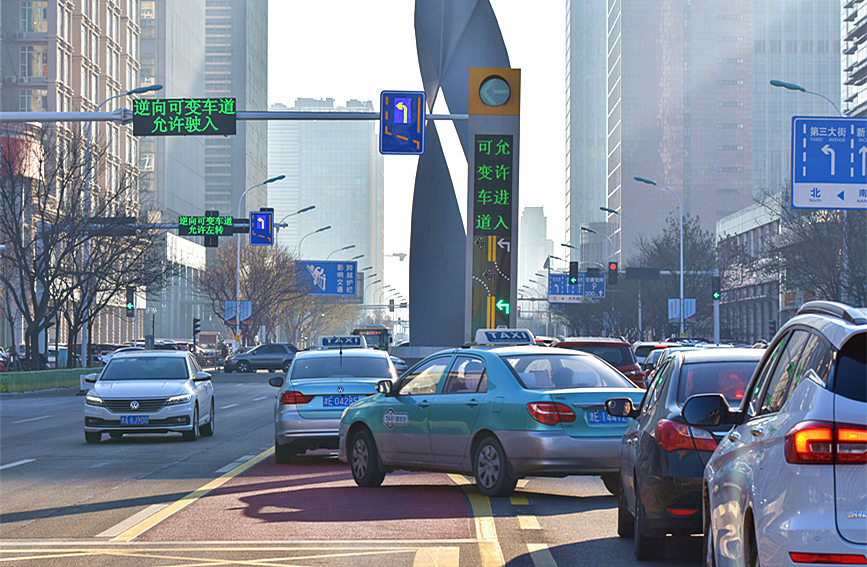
(377, 336)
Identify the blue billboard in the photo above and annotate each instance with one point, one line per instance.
(324, 277)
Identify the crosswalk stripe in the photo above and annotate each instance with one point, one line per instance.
(437, 557)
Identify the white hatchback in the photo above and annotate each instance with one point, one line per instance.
(788, 484)
(150, 392)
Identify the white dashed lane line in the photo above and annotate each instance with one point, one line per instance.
(229, 406)
(32, 419)
(259, 398)
(16, 463)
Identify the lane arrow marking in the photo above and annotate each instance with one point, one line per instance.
(503, 243)
(863, 151)
(829, 151)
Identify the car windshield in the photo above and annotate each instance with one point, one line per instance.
(146, 368)
(562, 371)
(340, 367)
(724, 377)
(612, 354)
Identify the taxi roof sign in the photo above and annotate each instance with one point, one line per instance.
(348, 341)
(505, 337)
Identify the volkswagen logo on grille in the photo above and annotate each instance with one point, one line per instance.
(133, 405)
(340, 389)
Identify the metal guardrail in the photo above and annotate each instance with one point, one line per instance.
(42, 379)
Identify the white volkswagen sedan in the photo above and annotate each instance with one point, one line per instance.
(150, 392)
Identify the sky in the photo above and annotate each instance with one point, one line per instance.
(344, 49)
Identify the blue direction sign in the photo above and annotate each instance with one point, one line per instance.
(561, 291)
(401, 122)
(829, 163)
(327, 277)
(262, 228)
(594, 287)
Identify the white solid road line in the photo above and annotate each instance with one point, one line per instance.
(234, 464)
(16, 463)
(229, 406)
(132, 520)
(32, 419)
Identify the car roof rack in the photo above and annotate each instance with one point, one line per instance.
(839, 310)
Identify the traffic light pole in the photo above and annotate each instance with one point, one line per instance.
(716, 312)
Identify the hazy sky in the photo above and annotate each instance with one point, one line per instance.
(344, 49)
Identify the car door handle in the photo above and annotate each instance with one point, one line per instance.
(756, 431)
(734, 436)
(423, 404)
(472, 403)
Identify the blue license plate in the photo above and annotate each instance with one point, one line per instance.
(602, 416)
(339, 401)
(133, 420)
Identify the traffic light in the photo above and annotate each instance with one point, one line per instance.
(612, 273)
(772, 327)
(573, 272)
(212, 240)
(196, 327)
(391, 305)
(715, 288)
(130, 301)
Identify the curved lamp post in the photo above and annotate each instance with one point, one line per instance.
(317, 231)
(680, 207)
(333, 252)
(85, 250)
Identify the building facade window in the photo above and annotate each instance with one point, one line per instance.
(34, 16)
(33, 100)
(34, 61)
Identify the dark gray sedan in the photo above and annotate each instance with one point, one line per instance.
(273, 356)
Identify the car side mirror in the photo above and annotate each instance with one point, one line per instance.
(277, 381)
(91, 378)
(621, 407)
(201, 376)
(706, 410)
(384, 387)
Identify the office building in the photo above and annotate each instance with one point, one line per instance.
(854, 58)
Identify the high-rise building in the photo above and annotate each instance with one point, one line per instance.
(587, 90)
(854, 58)
(533, 248)
(335, 166)
(236, 65)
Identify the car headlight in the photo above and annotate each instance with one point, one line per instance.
(181, 399)
(92, 400)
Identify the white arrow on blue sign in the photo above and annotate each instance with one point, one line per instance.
(829, 163)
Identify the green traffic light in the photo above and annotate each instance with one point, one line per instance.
(716, 295)
(130, 306)
(573, 281)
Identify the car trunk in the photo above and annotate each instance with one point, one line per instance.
(591, 419)
(850, 479)
(331, 395)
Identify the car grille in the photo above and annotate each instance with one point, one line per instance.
(145, 406)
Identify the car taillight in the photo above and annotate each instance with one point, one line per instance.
(292, 397)
(673, 435)
(635, 376)
(832, 558)
(551, 413)
(818, 442)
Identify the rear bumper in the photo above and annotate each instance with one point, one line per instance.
(554, 453)
(291, 428)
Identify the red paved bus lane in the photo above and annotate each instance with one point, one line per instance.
(315, 498)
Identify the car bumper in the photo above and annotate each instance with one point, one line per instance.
(173, 418)
(554, 453)
(291, 428)
(667, 501)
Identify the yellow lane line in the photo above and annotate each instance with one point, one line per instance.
(519, 500)
(528, 523)
(437, 557)
(541, 555)
(483, 516)
(185, 501)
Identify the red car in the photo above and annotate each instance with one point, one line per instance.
(616, 352)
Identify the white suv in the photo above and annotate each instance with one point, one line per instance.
(788, 484)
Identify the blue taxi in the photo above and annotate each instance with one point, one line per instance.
(500, 410)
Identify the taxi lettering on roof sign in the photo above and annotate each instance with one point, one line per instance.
(505, 337)
(350, 341)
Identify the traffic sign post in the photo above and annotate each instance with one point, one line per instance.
(829, 163)
(401, 122)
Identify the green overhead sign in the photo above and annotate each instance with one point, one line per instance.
(184, 117)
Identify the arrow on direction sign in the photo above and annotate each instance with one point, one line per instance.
(842, 195)
(503, 306)
(863, 151)
(829, 151)
(503, 243)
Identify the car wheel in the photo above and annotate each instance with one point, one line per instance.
(116, 435)
(208, 428)
(491, 468)
(364, 460)
(193, 434)
(752, 550)
(286, 365)
(243, 367)
(612, 482)
(707, 540)
(625, 520)
(92, 436)
(284, 453)
(645, 547)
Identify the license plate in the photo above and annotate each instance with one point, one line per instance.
(339, 401)
(602, 416)
(133, 420)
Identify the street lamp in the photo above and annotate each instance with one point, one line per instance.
(348, 247)
(611, 242)
(680, 206)
(135, 91)
(844, 291)
(614, 212)
(298, 212)
(238, 257)
(318, 230)
(357, 257)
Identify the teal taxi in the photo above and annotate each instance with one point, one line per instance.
(499, 409)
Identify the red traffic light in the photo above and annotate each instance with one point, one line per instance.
(612, 266)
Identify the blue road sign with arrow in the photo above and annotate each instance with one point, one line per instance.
(401, 122)
(829, 162)
(262, 228)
